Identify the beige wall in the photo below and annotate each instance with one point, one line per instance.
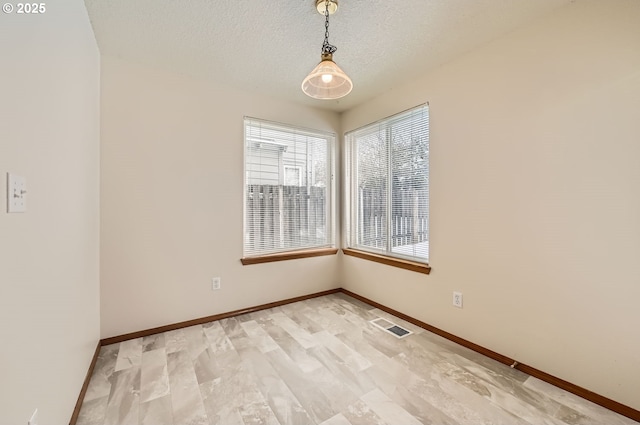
(49, 288)
(535, 198)
(172, 196)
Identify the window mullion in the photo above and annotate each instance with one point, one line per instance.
(356, 227)
(389, 199)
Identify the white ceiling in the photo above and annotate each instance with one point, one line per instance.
(270, 46)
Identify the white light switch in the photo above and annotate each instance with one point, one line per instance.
(16, 193)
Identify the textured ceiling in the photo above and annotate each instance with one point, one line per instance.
(270, 46)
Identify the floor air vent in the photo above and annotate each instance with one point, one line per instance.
(392, 328)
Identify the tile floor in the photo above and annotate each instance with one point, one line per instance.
(318, 361)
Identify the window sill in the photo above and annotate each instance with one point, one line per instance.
(390, 261)
(288, 256)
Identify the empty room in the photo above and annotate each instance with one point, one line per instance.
(336, 212)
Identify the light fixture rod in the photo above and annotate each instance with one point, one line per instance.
(327, 48)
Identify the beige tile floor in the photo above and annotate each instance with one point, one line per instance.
(319, 361)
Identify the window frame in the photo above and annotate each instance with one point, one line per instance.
(350, 235)
(330, 248)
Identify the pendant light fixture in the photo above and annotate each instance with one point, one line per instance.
(327, 80)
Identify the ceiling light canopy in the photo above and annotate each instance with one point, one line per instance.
(321, 6)
(327, 80)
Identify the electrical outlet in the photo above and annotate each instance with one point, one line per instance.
(16, 194)
(34, 418)
(215, 283)
(457, 299)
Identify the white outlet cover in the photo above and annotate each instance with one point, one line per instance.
(16, 193)
(216, 283)
(457, 299)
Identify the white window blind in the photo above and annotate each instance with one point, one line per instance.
(288, 188)
(387, 186)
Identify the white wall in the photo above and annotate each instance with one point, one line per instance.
(49, 288)
(535, 197)
(171, 201)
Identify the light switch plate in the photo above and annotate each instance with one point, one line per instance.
(16, 193)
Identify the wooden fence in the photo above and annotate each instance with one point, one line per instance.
(281, 217)
(409, 217)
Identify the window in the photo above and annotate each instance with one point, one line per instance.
(387, 187)
(292, 176)
(288, 189)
